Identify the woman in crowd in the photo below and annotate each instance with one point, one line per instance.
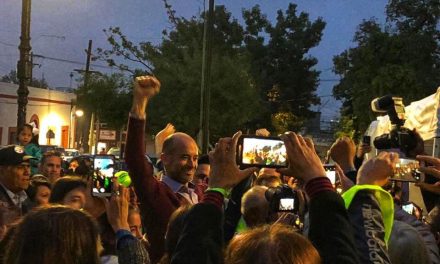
(58, 233)
(70, 191)
(39, 190)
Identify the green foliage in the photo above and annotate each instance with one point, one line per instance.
(283, 59)
(12, 78)
(285, 121)
(108, 96)
(345, 128)
(400, 58)
(246, 62)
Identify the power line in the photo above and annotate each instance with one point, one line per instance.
(70, 61)
(329, 80)
(8, 44)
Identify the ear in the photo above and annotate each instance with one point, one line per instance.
(164, 158)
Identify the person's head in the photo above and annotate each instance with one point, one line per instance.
(134, 221)
(15, 170)
(25, 135)
(39, 190)
(84, 168)
(203, 169)
(268, 177)
(406, 245)
(175, 226)
(58, 233)
(271, 244)
(73, 164)
(70, 191)
(419, 146)
(255, 207)
(50, 165)
(179, 157)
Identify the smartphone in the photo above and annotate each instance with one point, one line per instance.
(103, 172)
(286, 204)
(407, 170)
(256, 151)
(366, 140)
(409, 208)
(330, 171)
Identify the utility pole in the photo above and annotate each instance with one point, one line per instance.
(24, 66)
(86, 124)
(206, 76)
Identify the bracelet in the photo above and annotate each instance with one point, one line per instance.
(224, 192)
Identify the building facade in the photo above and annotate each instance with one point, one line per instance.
(50, 110)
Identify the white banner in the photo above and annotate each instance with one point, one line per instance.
(107, 135)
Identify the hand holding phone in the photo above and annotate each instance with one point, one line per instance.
(378, 170)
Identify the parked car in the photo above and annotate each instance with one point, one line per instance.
(70, 154)
(46, 148)
(115, 151)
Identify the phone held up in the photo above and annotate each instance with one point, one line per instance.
(366, 140)
(407, 170)
(257, 151)
(330, 172)
(103, 172)
(282, 199)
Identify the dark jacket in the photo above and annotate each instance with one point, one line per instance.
(157, 200)
(233, 208)
(369, 232)
(130, 250)
(201, 239)
(423, 230)
(330, 230)
(9, 212)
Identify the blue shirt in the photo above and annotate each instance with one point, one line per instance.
(184, 190)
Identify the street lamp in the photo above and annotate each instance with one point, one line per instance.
(74, 114)
(79, 113)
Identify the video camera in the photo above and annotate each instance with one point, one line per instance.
(399, 136)
(282, 199)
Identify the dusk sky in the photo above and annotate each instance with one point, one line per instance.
(61, 29)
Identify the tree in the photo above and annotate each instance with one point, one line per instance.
(106, 96)
(177, 63)
(12, 78)
(283, 60)
(400, 58)
(247, 62)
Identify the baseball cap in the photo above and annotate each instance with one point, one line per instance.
(13, 155)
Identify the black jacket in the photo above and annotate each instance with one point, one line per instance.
(330, 230)
(369, 232)
(201, 239)
(423, 230)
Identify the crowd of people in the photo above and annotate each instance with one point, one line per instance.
(191, 208)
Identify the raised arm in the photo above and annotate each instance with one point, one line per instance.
(330, 230)
(157, 202)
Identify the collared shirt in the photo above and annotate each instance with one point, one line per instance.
(186, 190)
(17, 198)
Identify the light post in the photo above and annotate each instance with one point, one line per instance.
(24, 65)
(74, 114)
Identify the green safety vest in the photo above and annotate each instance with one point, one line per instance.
(385, 200)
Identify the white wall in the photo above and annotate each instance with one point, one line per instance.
(53, 109)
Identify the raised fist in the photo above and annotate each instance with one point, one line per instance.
(146, 86)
